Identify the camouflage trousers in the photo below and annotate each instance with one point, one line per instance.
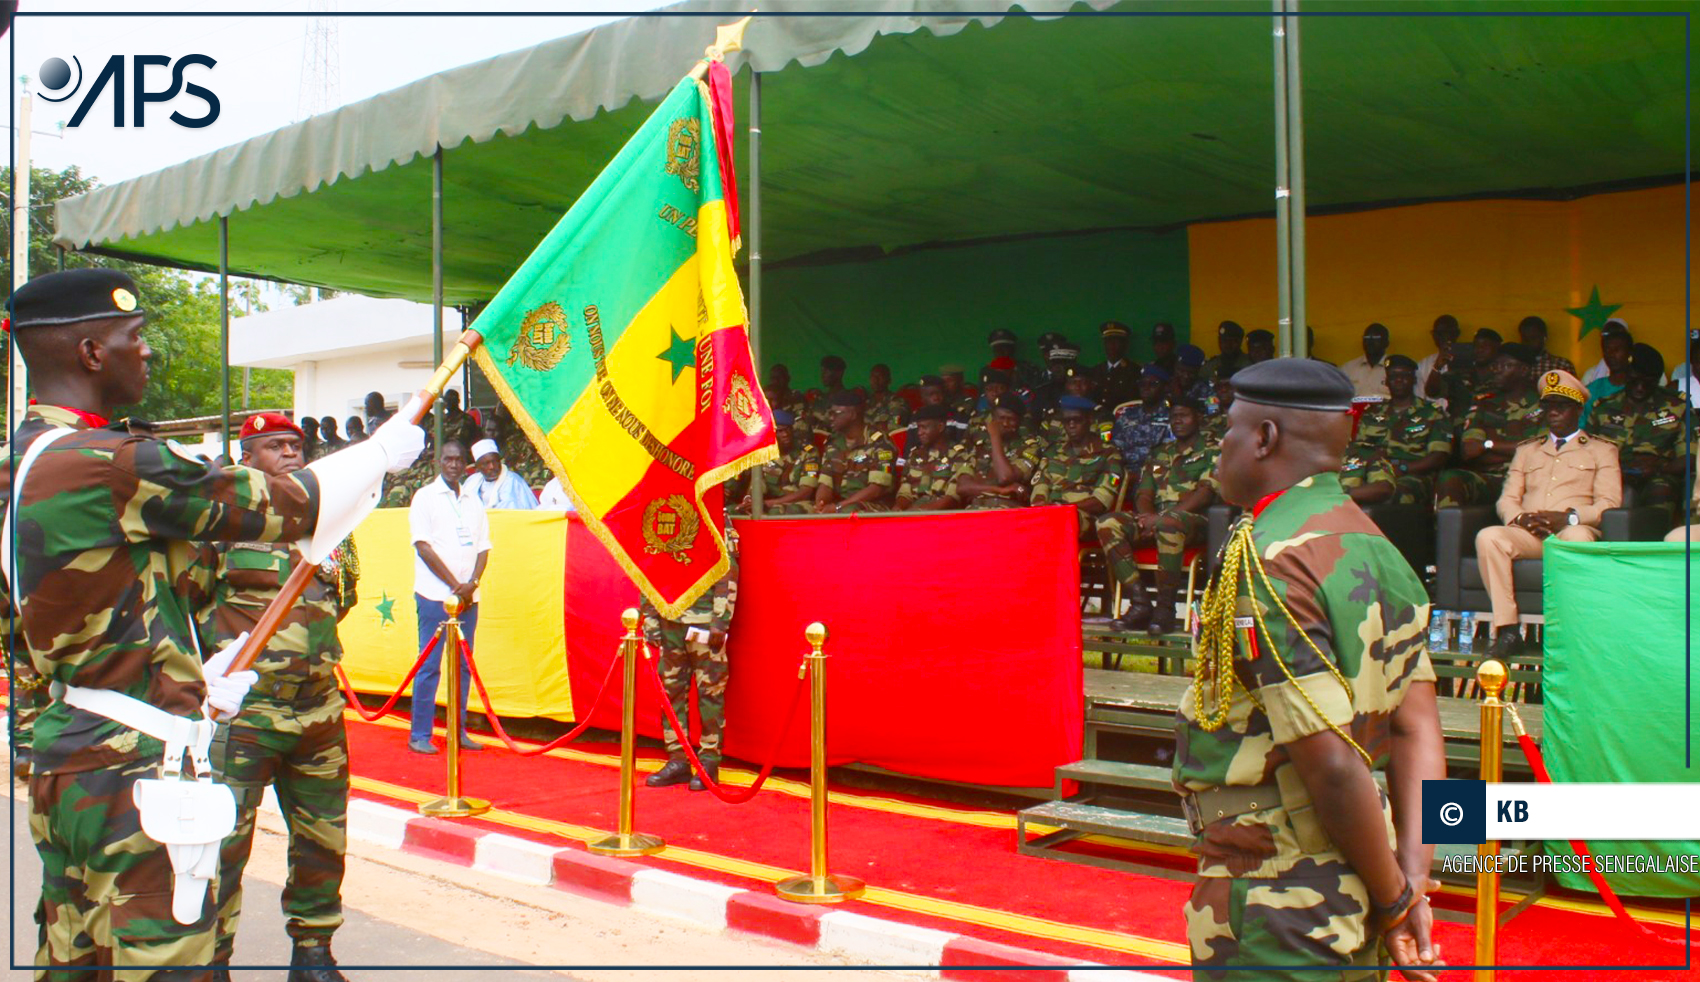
(1459, 487)
(1414, 489)
(681, 662)
(1317, 918)
(1119, 533)
(302, 751)
(106, 887)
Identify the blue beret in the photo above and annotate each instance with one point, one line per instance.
(783, 418)
(1155, 371)
(1077, 403)
(1190, 355)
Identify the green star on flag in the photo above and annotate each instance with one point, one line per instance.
(681, 354)
(386, 610)
(1594, 314)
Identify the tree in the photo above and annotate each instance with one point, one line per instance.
(182, 310)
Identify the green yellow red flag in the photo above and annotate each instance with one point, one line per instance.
(621, 348)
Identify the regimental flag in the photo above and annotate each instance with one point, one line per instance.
(621, 348)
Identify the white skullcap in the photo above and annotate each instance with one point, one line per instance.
(483, 447)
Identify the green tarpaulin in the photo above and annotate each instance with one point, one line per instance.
(923, 123)
(1616, 685)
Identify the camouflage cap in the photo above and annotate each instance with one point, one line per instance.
(71, 296)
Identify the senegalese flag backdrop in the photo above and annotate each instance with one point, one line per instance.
(621, 348)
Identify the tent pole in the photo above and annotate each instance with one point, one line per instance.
(757, 483)
(224, 328)
(437, 285)
(17, 393)
(1283, 203)
(1296, 177)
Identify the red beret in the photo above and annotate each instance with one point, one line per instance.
(264, 424)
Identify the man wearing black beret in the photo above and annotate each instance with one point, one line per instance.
(1500, 419)
(1259, 346)
(1297, 709)
(856, 463)
(999, 463)
(1645, 420)
(1413, 435)
(817, 402)
(929, 476)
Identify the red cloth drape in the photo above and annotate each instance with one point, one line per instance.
(954, 648)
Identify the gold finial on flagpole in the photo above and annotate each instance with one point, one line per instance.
(727, 39)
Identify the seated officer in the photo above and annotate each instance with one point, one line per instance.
(1178, 485)
(929, 477)
(783, 492)
(955, 423)
(1215, 424)
(1026, 374)
(1559, 485)
(1058, 361)
(994, 382)
(1229, 337)
(818, 402)
(996, 469)
(1415, 436)
(1081, 471)
(1077, 382)
(887, 412)
(1185, 382)
(1645, 420)
(1139, 426)
(1117, 379)
(1497, 423)
(1259, 346)
(855, 464)
(1366, 476)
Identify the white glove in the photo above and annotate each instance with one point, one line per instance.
(226, 692)
(401, 439)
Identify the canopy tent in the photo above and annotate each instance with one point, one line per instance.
(924, 124)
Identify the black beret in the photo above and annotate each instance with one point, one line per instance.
(1518, 351)
(783, 418)
(833, 362)
(1645, 361)
(1011, 402)
(1260, 336)
(1002, 335)
(930, 412)
(996, 376)
(1295, 383)
(1488, 334)
(931, 381)
(1076, 371)
(1229, 327)
(74, 295)
(1401, 361)
(1163, 332)
(848, 397)
(1192, 405)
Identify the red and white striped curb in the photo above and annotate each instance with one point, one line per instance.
(716, 906)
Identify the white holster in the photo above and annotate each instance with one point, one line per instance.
(190, 817)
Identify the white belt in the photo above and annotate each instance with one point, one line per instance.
(189, 817)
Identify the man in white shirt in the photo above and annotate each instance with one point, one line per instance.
(1684, 379)
(1617, 327)
(555, 497)
(498, 486)
(451, 536)
(1444, 333)
(1369, 373)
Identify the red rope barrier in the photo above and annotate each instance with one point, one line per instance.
(384, 710)
(1537, 763)
(496, 722)
(730, 797)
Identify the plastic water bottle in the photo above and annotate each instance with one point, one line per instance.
(1437, 631)
(1466, 631)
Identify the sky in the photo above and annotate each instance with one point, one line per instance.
(258, 77)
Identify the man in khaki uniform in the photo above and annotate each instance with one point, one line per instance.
(1558, 485)
(1686, 533)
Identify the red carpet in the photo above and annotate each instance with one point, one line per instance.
(927, 860)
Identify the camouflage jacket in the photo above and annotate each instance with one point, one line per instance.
(1051, 430)
(240, 579)
(1023, 451)
(931, 473)
(1137, 430)
(1359, 603)
(957, 430)
(817, 403)
(1174, 471)
(779, 476)
(524, 460)
(1655, 428)
(399, 488)
(1067, 476)
(847, 468)
(887, 413)
(713, 610)
(1363, 466)
(1406, 434)
(1507, 421)
(105, 537)
(460, 428)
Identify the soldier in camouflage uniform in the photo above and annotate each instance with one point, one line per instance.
(1366, 476)
(1082, 471)
(929, 477)
(886, 412)
(106, 598)
(26, 691)
(956, 425)
(290, 732)
(1077, 382)
(817, 403)
(399, 488)
(1178, 485)
(1138, 427)
(1496, 424)
(855, 465)
(694, 647)
(997, 470)
(1312, 678)
(782, 487)
(458, 424)
(780, 395)
(1645, 420)
(1415, 436)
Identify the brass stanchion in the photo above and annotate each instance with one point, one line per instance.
(453, 805)
(1491, 677)
(626, 842)
(819, 887)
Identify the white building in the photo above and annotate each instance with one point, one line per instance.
(343, 348)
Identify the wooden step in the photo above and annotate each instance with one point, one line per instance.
(1146, 777)
(1084, 818)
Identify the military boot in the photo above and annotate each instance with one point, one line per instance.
(312, 962)
(671, 773)
(713, 772)
(1139, 607)
(1163, 618)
